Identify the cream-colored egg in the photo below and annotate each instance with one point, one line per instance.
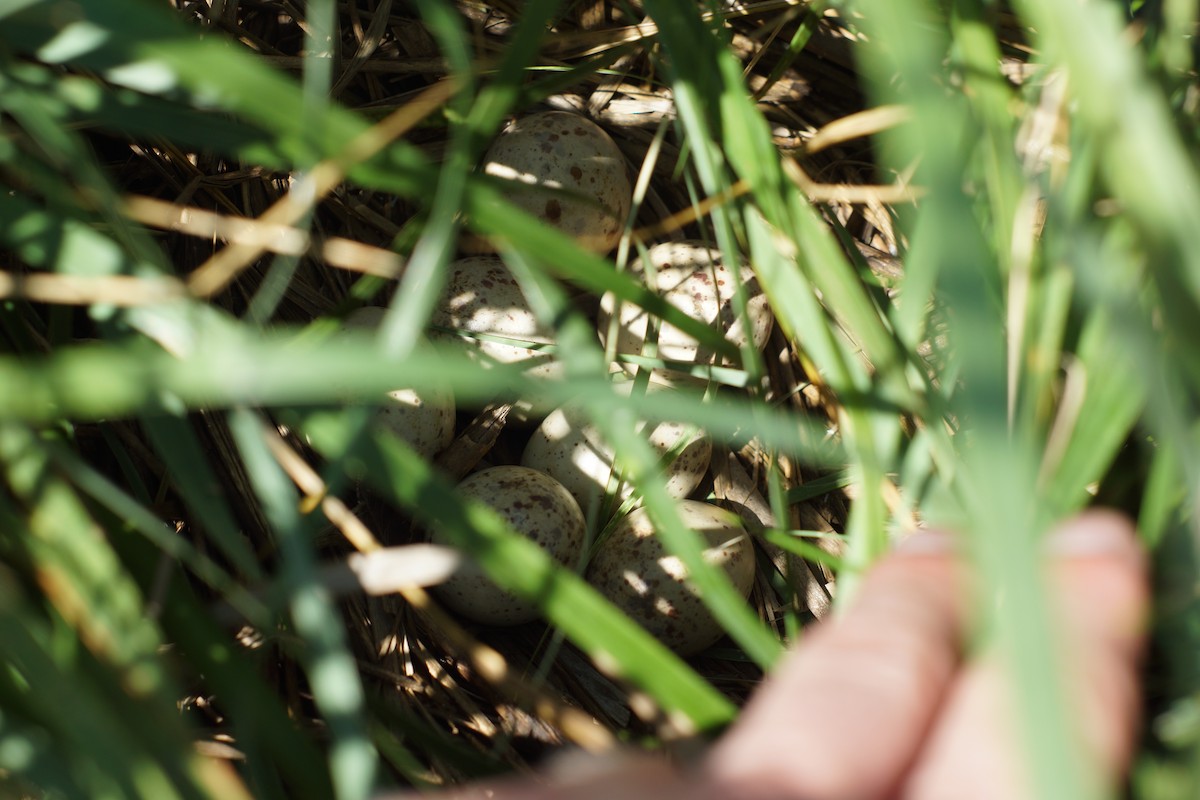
(637, 574)
(559, 150)
(692, 277)
(483, 297)
(535, 506)
(425, 419)
(568, 447)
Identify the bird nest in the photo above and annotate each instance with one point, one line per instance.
(469, 699)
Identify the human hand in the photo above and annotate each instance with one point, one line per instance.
(891, 709)
(880, 703)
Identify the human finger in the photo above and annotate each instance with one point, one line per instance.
(627, 775)
(1098, 587)
(844, 714)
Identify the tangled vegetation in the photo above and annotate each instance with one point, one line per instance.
(973, 222)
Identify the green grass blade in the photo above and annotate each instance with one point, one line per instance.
(61, 244)
(120, 707)
(96, 383)
(92, 589)
(641, 467)
(1109, 404)
(332, 672)
(1143, 159)
(995, 484)
(103, 491)
(194, 479)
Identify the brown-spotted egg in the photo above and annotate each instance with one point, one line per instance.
(693, 277)
(482, 297)
(535, 506)
(558, 150)
(425, 419)
(637, 574)
(568, 447)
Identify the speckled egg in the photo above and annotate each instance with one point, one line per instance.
(692, 277)
(482, 297)
(535, 506)
(425, 419)
(563, 151)
(571, 449)
(634, 571)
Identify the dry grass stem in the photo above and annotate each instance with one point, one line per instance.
(215, 274)
(86, 290)
(335, 251)
(681, 219)
(856, 126)
(855, 194)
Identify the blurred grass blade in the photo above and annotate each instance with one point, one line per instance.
(91, 591)
(332, 672)
(138, 517)
(641, 467)
(91, 104)
(1165, 494)
(99, 742)
(63, 244)
(316, 82)
(86, 581)
(995, 486)
(1099, 409)
(27, 759)
(418, 292)
(90, 383)
(149, 49)
(1143, 159)
(176, 443)
(66, 153)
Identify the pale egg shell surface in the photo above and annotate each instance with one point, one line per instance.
(561, 150)
(692, 277)
(535, 506)
(637, 574)
(482, 297)
(425, 419)
(568, 447)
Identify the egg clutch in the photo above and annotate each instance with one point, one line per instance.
(566, 170)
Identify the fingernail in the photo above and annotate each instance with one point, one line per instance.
(927, 543)
(1097, 533)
